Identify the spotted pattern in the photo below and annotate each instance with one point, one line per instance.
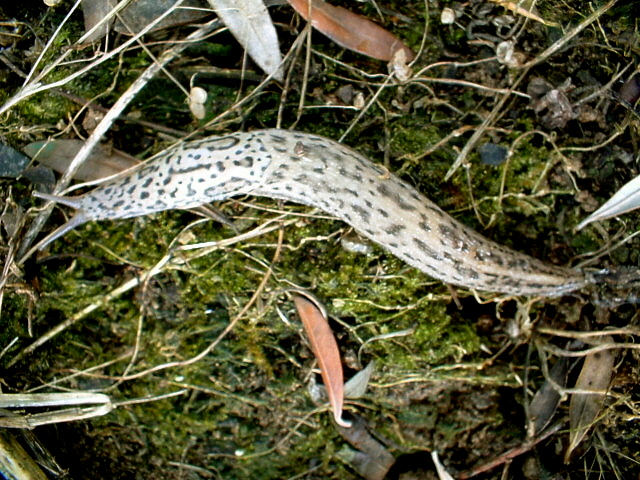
(319, 172)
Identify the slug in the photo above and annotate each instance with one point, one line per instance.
(321, 173)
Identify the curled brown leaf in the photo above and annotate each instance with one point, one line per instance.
(325, 349)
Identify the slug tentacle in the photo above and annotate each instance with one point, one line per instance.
(319, 172)
(73, 202)
(78, 219)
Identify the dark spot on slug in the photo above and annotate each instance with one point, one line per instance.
(384, 213)
(362, 212)
(468, 273)
(426, 249)
(383, 190)
(454, 235)
(394, 229)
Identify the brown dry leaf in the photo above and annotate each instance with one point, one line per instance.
(326, 351)
(584, 408)
(350, 30)
(526, 9)
(57, 154)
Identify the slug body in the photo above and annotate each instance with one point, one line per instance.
(319, 172)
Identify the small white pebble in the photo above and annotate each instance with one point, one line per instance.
(197, 99)
(448, 16)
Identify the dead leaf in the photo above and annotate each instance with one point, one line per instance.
(12, 162)
(595, 376)
(138, 14)
(95, 11)
(357, 385)
(552, 104)
(251, 25)
(326, 351)
(546, 400)
(350, 30)
(630, 90)
(11, 217)
(57, 154)
(371, 460)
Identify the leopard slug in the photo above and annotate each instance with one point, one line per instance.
(322, 173)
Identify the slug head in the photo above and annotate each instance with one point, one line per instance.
(78, 219)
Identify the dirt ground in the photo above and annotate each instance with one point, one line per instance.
(519, 120)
